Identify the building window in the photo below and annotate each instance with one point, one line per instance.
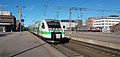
(96, 21)
(113, 24)
(5, 18)
(109, 21)
(102, 23)
(106, 21)
(113, 21)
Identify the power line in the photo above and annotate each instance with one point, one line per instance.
(82, 9)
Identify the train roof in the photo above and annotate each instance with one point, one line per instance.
(51, 20)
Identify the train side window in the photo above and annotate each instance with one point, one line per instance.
(63, 26)
(43, 26)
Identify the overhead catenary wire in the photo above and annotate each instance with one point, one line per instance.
(82, 9)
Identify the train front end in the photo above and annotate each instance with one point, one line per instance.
(56, 31)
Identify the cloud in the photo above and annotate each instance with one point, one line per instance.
(3, 5)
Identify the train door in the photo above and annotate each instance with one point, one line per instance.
(42, 29)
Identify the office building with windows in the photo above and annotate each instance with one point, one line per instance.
(7, 22)
(106, 22)
(66, 24)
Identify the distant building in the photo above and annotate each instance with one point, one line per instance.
(115, 28)
(89, 22)
(105, 22)
(66, 24)
(81, 26)
(74, 24)
(84, 23)
(102, 23)
(7, 22)
(79, 22)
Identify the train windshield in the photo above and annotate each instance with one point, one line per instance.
(53, 24)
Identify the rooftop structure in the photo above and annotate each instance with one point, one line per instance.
(5, 13)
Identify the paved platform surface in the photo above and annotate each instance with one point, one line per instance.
(25, 44)
(107, 40)
(97, 36)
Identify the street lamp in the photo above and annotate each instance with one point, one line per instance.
(19, 11)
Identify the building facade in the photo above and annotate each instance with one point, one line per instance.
(7, 23)
(89, 22)
(106, 22)
(66, 24)
(115, 28)
(79, 22)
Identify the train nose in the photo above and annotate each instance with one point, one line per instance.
(56, 35)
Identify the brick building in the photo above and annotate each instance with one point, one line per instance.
(115, 28)
(7, 23)
(89, 22)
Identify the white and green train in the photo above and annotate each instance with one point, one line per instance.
(51, 30)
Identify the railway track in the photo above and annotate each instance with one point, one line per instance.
(70, 52)
(81, 49)
(73, 48)
(101, 49)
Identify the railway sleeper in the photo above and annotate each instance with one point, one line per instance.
(103, 49)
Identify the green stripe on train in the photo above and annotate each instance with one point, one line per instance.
(63, 33)
(42, 32)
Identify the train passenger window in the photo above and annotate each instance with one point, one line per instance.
(53, 24)
(63, 26)
(43, 26)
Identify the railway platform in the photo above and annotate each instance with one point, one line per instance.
(25, 44)
(98, 38)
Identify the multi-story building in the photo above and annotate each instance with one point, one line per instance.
(102, 23)
(74, 24)
(7, 22)
(79, 22)
(106, 22)
(66, 24)
(89, 22)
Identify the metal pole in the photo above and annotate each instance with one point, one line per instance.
(45, 10)
(58, 13)
(70, 20)
(19, 11)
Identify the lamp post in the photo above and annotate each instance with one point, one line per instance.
(19, 11)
